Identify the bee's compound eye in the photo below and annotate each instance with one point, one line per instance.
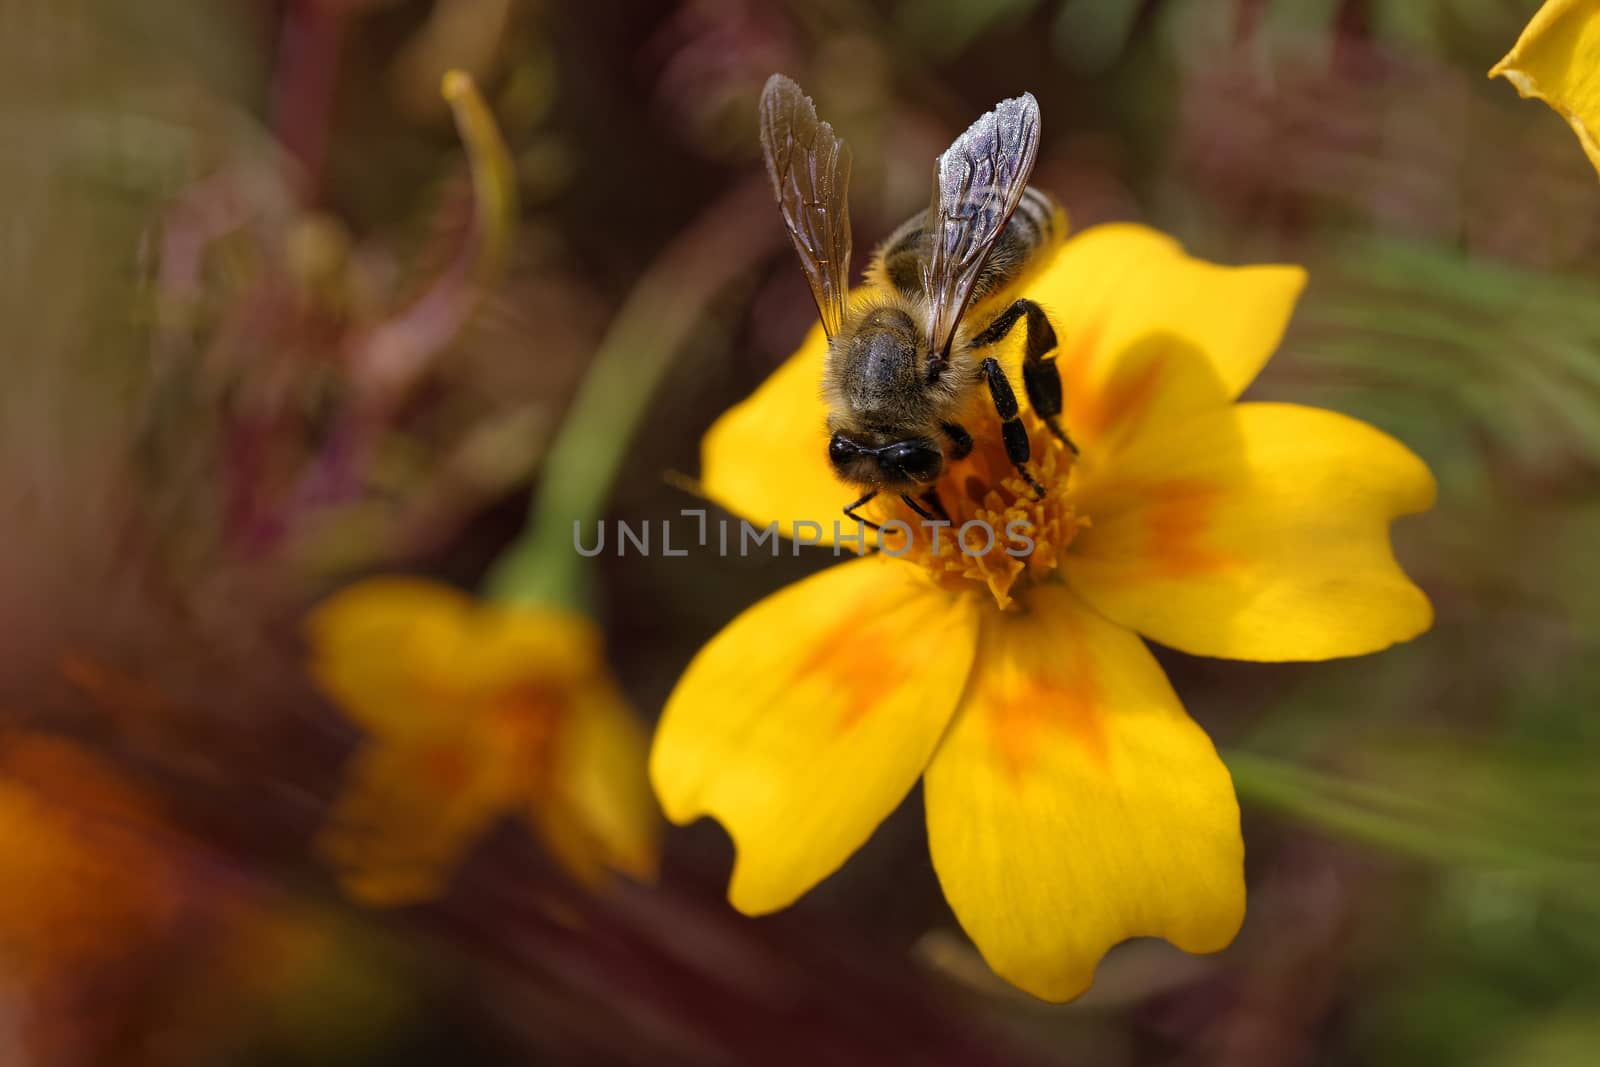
(921, 461)
(841, 450)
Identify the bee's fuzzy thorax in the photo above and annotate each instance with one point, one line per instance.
(876, 373)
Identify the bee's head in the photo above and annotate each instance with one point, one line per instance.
(882, 461)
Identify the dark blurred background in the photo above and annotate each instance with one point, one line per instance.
(237, 377)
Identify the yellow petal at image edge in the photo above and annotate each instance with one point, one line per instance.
(1259, 532)
(597, 813)
(1074, 803)
(1557, 60)
(806, 721)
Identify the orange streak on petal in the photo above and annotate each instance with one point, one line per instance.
(1024, 710)
(1179, 514)
(859, 657)
(1074, 363)
(1122, 400)
(1163, 525)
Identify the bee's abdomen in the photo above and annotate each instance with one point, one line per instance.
(1037, 224)
(899, 259)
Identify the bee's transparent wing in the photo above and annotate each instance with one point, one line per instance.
(976, 186)
(810, 171)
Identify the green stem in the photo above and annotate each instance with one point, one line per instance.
(655, 322)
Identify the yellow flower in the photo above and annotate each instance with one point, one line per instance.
(1071, 802)
(474, 711)
(1557, 60)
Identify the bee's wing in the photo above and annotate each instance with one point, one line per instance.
(810, 171)
(976, 186)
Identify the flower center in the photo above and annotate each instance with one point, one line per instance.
(993, 530)
(527, 720)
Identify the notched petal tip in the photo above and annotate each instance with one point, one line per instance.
(806, 721)
(1070, 733)
(1065, 979)
(1556, 61)
(1262, 533)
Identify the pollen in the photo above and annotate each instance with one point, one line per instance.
(1000, 535)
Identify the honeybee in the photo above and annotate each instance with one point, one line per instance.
(902, 362)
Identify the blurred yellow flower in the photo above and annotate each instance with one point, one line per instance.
(474, 710)
(1071, 802)
(1557, 60)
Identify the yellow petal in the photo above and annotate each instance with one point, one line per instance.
(598, 813)
(408, 813)
(404, 656)
(1260, 532)
(806, 721)
(507, 645)
(766, 458)
(1074, 804)
(1557, 60)
(1120, 288)
(378, 646)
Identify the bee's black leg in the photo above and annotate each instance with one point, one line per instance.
(1012, 431)
(960, 440)
(1040, 377)
(910, 502)
(850, 512)
(930, 506)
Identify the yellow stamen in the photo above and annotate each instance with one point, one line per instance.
(993, 515)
